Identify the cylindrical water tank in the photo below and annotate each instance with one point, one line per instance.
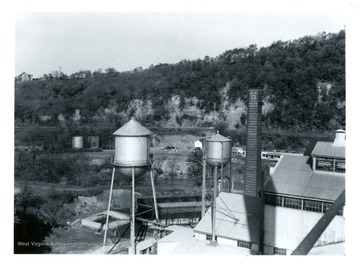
(218, 150)
(77, 142)
(132, 148)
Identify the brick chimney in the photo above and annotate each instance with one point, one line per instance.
(253, 173)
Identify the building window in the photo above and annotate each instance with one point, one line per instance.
(312, 205)
(326, 206)
(279, 251)
(273, 200)
(290, 202)
(324, 164)
(339, 165)
(243, 244)
(209, 237)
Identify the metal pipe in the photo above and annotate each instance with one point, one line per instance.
(108, 210)
(154, 193)
(203, 194)
(214, 205)
(132, 226)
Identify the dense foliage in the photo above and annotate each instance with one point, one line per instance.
(303, 78)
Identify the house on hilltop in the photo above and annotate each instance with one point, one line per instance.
(24, 77)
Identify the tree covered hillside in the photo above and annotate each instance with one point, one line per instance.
(303, 81)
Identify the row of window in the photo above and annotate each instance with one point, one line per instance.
(240, 243)
(279, 251)
(244, 244)
(299, 203)
(330, 164)
(209, 237)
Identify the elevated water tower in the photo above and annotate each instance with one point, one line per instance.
(132, 160)
(217, 154)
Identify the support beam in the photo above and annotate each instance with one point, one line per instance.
(309, 241)
(229, 175)
(154, 193)
(108, 210)
(132, 249)
(214, 205)
(203, 194)
(222, 177)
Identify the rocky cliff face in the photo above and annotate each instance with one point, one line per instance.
(189, 114)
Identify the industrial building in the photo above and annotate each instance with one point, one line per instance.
(300, 190)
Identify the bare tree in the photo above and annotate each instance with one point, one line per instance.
(172, 170)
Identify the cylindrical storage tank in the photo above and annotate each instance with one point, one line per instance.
(218, 149)
(132, 148)
(77, 142)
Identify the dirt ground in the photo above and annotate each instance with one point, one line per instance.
(73, 238)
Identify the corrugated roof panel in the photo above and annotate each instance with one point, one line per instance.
(325, 185)
(294, 162)
(327, 149)
(236, 218)
(132, 128)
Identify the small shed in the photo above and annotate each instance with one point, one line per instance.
(199, 144)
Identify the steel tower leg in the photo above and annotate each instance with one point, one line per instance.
(132, 249)
(214, 205)
(229, 175)
(203, 195)
(222, 177)
(108, 210)
(154, 193)
(132, 225)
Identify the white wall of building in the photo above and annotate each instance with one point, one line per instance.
(286, 227)
(166, 248)
(225, 241)
(220, 240)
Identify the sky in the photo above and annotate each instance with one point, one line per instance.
(73, 41)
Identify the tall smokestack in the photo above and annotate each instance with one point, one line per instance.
(253, 174)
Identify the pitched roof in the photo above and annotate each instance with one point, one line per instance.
(182, 241)
(217, 138)
(312, 145)
(327, 149)
(237, 218)
(132, 128)
(293, 176)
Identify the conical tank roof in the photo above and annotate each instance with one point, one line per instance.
(218, 138)
(132, 128)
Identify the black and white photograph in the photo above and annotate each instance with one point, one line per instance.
(192, 129)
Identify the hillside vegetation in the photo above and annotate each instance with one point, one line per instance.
(303, 82)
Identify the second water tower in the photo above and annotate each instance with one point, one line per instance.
(217, 154)
(218, 150)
